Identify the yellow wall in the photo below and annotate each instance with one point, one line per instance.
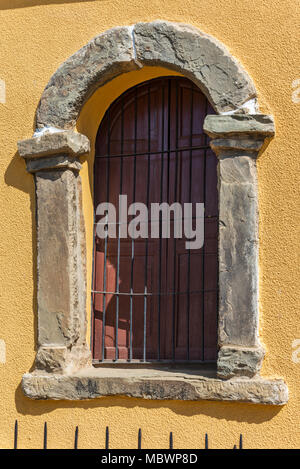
(36, 36)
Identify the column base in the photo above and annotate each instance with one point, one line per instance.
(61, 359)
(239, 361)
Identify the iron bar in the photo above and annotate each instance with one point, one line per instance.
(175, 200)
(147, 239)
(153, 294)
(106, 239)
(190, 199)
(168, 199)
(119, 234)
(160, 215)
(203, 255)
(150, 361)
(140, 439)
(154, 152)
(132, 240)
(172, 219)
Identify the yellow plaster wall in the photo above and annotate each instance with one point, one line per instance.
(35, 37)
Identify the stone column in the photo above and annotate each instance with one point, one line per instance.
(61, 270)
(237, 140)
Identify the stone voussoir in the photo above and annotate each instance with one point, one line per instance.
(83, 387)
(199, 57)
(56, 143)
(176, 46)
(105, 57)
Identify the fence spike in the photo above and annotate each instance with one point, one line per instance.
(241, 441)
(206, 441)
(107, 438)
(16, 435)
(171, 440)
(76, 438)
(45, 435)
(140, 439)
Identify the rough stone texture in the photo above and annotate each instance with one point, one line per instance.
(198, 56)
(237, 140)
(61, 255)
(152, 384)
(239, 361)
(61, 267)
(259, 125)
(62, 359)
(53, 158)
(250, 144)
(175, 46)
(53, 162)
(68, 142)
(238, 251)
(103, 58)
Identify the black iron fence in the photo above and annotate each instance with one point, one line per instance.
(107, 433)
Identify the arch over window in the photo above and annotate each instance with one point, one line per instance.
(160, 298)
(63, 366)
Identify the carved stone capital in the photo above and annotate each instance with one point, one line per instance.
(57, 150)
(54, 143)
(256, 125)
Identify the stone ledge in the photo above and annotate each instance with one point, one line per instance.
(61, 142)
(157, 384)
(256, 125)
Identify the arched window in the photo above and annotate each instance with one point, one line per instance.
(151, 138)
(154, 299)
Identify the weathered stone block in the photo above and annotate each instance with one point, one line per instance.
(56, 143)
(103, 58)
(238, 264)
(198, 56)
(152, 384)
(239, 361)
(239, 124)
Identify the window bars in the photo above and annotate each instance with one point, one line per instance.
(154, 300)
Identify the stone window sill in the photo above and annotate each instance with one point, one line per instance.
(165, 383)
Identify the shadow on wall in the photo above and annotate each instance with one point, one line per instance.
(17, 176)
(229, 411)
(13, 4)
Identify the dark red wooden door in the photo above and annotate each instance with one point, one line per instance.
(157, 299)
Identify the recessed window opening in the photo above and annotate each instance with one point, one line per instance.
(153, 299)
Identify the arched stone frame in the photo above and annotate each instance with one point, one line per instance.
(63, 367)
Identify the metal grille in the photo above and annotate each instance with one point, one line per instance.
(155, 300)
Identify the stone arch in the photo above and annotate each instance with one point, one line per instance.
(176, 46)
(63, 366)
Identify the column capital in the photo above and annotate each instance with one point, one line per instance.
(236, 133)
(54, 150)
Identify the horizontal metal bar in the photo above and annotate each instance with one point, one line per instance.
(153, 294)
(158, 152)
(153, 220)
(137, 361)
